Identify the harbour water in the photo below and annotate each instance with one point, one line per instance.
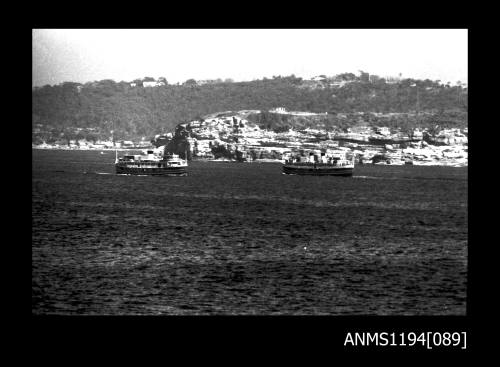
(242, 238)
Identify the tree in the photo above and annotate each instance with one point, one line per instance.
(190, 82)
(137, 82)
(156, 110)
(345, 77)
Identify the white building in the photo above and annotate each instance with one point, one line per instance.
(338, 84)
(383, 131)
(392, 79)
(152, 84)
(278, 110)
(318, 78)
(417, 133)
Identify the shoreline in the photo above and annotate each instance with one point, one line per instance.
(88, 149)
(415, 163)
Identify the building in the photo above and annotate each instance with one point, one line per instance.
(208, 81)
(417, 133)
(152, 84)
(319, 78)
(364, 77)
(383, 131)
(278, 110)
(393, 79)
(338, 84)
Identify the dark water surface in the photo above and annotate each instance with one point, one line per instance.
(245, 239)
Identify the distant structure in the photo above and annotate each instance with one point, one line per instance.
(278, 110)
(152, 84)
(393, 79)
(364, 77)
(319, 78)
(383, 131)
(338, 83)
(208, 81)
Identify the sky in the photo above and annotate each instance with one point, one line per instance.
(86, 55)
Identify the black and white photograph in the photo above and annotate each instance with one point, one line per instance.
(249, 172)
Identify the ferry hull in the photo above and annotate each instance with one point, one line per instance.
(318, 171)
(164, 171)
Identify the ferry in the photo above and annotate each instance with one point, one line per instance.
(319, 165)
(151, 163)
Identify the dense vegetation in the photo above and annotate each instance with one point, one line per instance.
(405, 122)
(99, 107)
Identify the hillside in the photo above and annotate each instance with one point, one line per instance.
(232, 135)
(92, 110)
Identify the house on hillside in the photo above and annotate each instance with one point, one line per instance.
(208, 81)
(127, 143)
(385, 131)
(393, 79)
(278, 110)
(338, 83)
(319, 78)
(152, 84)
